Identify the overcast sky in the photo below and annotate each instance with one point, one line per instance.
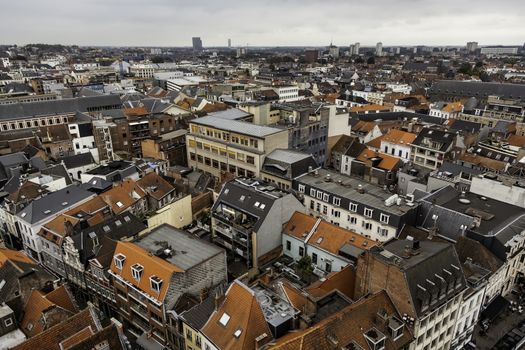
(262, 22)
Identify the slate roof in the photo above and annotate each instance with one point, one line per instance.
(197, 316)
(464, 125)
(232, 195)
(444, 138)
(64, 106)
(288, 164)
(116, 228)
(78, 160)
(49, 205)
(421, 266)
(477, 89)
(57, 170)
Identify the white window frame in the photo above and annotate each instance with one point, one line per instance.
(155, 285)
(384, 218)
(8, 322)
(336, 201)
(136, 271)
(312, 192)
(319, 195)
(119, 260)
(301, 188)
(352, 207)
(368, 212)
(326, 197)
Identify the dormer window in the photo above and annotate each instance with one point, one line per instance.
(119, 261)
(156, 283)
(237, 333)
(396, 328)
(136, 271)
(225, 318)
(375, 339)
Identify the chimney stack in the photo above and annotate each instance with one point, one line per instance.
(219, 298)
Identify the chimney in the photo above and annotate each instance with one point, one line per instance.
(407, 252)
(203, 294)
(219, 298)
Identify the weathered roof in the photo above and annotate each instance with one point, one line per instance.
(52, 203)
(52, 107)
(236, 126)
(241, 315)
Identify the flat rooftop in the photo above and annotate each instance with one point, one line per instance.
(186, 249)
(348, 187)
(237, 126)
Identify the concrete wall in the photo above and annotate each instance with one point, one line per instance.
(177, 214)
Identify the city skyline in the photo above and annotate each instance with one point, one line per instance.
(408, 23)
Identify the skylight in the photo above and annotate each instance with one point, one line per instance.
(119, 204)
(237, 333)
(224, 319)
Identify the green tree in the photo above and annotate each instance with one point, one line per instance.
(305, 265)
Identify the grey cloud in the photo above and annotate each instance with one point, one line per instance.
(272, 22)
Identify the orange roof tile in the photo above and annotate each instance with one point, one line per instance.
(244, 316)
(376, 143)
(36, 305)
(516, 140)
(62, 298)
(343, 281)
(51, 338)
(76, 338)
(399, 137)
(153, 266)
(346, 327)
(14, 256)
(90, 207)
(327, 236)
(453, 107)
(484, 162)
(387, 162)
(127, 193)
(155, 185)
(370, 107)
(297, 298)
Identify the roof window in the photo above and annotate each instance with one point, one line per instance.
(225, 318)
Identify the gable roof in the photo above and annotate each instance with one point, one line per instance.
(326, 236)
(399, 137)
(155, 185)
(53, 203)
(51, 338)
(386, 161)
(127, 193)
(244, 313)
(34, 320)
(347, 327)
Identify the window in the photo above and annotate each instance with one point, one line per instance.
(319, 195)
(301, 251)
(189, 334)
(136, 271)
(225, 318)
(353, 207)
(119, 261)
(337, 201)
(301, 188)
(288, 245)
(314, 258)
(312, 192)
(384, 218)
(328, 267)
(326, 197)
(237, 333)
(367, 225)
(368, 212)
(8, 322)
(156, 283)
